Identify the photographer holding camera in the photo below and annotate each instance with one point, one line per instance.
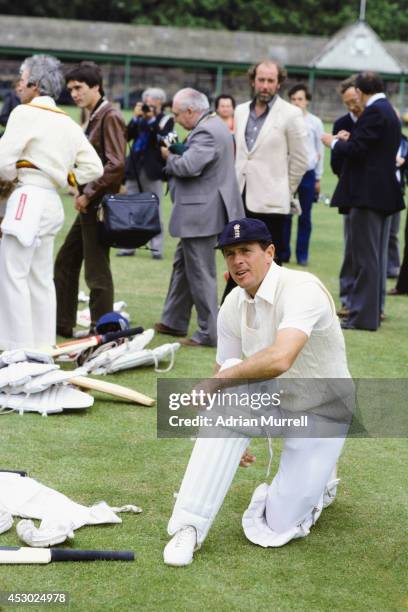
(144, 165)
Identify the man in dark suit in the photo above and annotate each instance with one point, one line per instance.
(204, 191)
(346, 122)
(369, 188)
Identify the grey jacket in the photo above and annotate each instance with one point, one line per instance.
(203, 184)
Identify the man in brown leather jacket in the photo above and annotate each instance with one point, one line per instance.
(106, 132)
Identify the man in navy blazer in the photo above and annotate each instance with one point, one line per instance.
(346, 122)
(369, 189)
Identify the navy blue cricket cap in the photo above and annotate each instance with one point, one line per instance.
(243, 230)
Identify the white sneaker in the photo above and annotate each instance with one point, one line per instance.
(179, 551)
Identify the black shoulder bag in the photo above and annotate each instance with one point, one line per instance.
(127, 221)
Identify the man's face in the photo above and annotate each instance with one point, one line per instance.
(299, 99)
(155, 104)
(248, 264)
(186, 118)
(352, 101)
(26, 92)
(225, 108)
(83, 95)
(265, 84)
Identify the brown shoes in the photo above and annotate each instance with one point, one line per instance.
(190, 342)
(343, 312)
(161, 328)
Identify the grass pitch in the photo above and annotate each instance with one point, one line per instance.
(355, 557)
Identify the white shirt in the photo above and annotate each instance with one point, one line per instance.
(315, 147)
(374, 98)
(305, 307)
(50, 140)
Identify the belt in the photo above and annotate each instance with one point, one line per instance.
(23, 163)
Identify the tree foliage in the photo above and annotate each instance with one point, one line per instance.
(313, 17)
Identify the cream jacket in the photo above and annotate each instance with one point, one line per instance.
(50, 140)
(274, 167)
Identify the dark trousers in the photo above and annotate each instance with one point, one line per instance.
(402, 282)
(346, 270)
(393, 260)
(306, 193)
(275, 224)
(82, 245)
(369, 232)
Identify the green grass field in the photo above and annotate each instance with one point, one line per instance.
(355, 557)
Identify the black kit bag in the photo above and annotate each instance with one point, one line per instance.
(128, 221)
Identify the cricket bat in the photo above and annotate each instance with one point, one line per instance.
(112, 389)
(27, 555)
(75, 346)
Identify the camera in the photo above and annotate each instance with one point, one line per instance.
(168, 140)
(146, 108)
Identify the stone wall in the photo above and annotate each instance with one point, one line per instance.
(326, 101)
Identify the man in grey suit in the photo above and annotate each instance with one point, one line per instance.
(205, 195)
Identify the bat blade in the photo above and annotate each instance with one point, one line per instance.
(112, 389)
(25, 555)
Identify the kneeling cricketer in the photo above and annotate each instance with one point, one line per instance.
(277, 322)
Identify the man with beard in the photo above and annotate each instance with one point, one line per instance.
(271, 156)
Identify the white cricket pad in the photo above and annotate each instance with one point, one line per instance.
(129, 356)
(51, 401)
(104, 355)
(17, 374)
(16, 355)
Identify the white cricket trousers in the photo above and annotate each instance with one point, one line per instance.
(305, 468)
(27, 302)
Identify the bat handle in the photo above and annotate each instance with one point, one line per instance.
(65, 554)
(110, 336)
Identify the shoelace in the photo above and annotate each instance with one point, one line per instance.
(184, 535)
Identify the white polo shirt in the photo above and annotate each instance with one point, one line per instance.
(285, 299)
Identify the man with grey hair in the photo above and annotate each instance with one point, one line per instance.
(40, 148)
(144, 165)
(205, 194)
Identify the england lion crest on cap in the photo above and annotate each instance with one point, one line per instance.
(237, 231)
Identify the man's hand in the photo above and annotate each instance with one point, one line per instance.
(343, 135)
(81, 203)
(137, 111)
(247, 459)
(317, 188)
(327, 139)
(164, 152)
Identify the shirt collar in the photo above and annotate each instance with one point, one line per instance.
(267, 288)
(374, 98)
(44, 101)
(354, 117)
(269, 105)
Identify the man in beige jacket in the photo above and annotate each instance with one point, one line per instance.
(271, 155)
